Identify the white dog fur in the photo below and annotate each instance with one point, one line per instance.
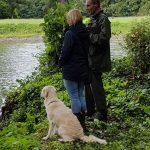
(62, 121)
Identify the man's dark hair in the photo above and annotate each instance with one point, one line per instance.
(96, 2)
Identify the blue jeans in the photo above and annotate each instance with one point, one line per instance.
(75, 91)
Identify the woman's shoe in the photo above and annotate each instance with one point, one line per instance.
(81, 118)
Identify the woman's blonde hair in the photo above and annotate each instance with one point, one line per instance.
(73, 16)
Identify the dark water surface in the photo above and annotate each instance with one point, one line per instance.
(17, 60)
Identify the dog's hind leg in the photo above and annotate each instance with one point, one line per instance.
(64, 137)
(51, 131)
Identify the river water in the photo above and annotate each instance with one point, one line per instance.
(17, 60)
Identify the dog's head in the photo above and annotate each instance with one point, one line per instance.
(48, 91)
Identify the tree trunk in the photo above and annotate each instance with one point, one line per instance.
(62, 1)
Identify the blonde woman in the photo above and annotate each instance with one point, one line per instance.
(74, 62)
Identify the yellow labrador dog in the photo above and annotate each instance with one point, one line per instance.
(62, 121)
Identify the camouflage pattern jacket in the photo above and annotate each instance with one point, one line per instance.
(99, 50)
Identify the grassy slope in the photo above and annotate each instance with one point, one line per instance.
(20, 27)
(122, 25)
(30, 27)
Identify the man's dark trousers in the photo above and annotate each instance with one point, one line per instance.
(95, 95)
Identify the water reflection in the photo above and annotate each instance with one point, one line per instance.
(117, 47)
(16, 62)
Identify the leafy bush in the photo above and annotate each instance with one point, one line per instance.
(121, 67)
(138, 44)
(53, 26)
(122, 8)
(145, 8)
(4, 9)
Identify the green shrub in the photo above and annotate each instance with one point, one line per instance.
(53, 26)
(145, 8)
(121, 67)
(4, 9)
(138, 44)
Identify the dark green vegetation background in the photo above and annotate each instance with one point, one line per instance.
(38, 8)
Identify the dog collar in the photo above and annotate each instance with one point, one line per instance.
(52, 102)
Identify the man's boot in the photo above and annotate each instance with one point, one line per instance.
(100, 116)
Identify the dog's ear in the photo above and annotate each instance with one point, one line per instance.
(44, 93)
(52, 88)
(47, 90)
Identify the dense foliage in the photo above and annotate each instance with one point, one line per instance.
(123, 8)
(38, 8)
(138, 44)
(53, 26)
(128, 125)
(25, 8)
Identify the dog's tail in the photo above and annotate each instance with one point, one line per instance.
(92, 138)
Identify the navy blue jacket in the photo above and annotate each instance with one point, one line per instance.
(74, 54)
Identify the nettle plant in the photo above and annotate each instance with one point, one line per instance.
(138, 44)
(53, 26)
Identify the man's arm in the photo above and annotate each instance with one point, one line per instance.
(105, 32)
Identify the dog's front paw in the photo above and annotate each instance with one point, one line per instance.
(45, 138)
(61, 140)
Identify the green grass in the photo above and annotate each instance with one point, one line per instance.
(31, 27)
(20, 27)
(123, 25)
(126, 19)
(18, 21)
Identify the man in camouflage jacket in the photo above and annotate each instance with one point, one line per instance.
(99, 59)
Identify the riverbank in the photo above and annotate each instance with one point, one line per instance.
(33, 39)
(36, 39)
(20, 28)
